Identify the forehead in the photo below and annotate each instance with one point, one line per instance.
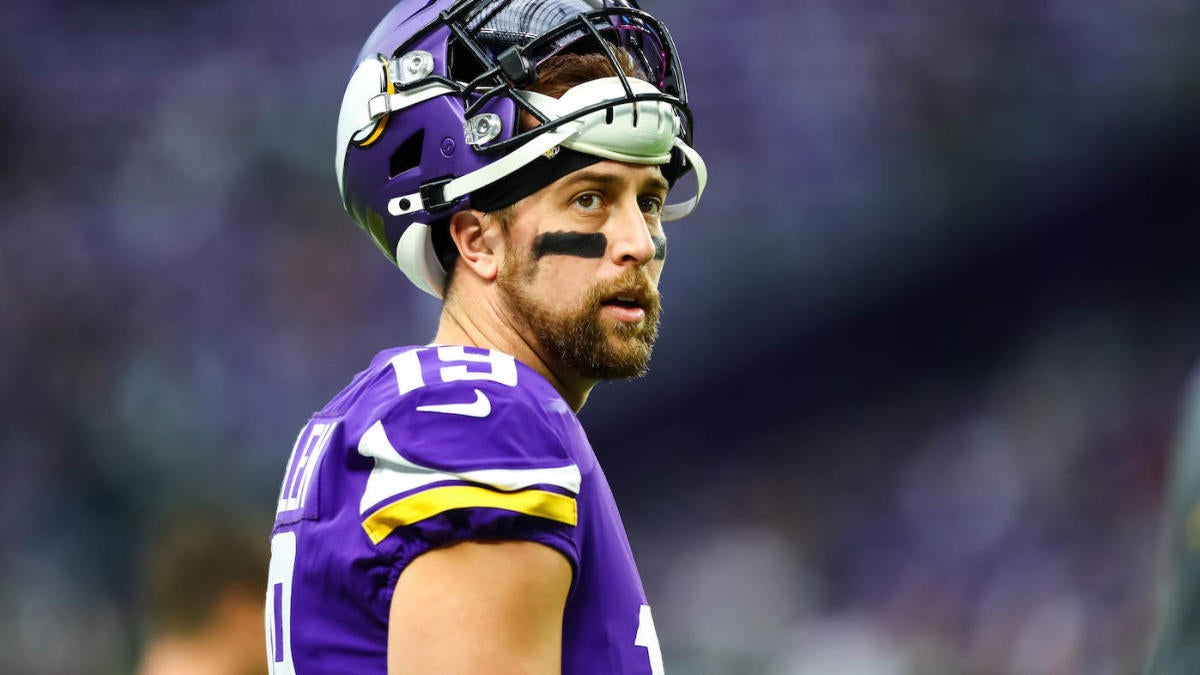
(614, 175)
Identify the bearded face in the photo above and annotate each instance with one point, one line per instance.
(583, 338)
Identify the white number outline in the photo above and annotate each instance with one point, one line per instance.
(407, 368)
(283, 568)
(503, 367)
(647, 637)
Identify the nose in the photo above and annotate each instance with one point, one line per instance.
(631, 242)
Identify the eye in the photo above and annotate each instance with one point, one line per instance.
(588, 201)
(651, 206)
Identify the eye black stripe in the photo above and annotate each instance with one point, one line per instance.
(660, 247)
(578, 244)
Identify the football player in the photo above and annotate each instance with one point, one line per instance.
(1176, 645)
(445, 512)
(203, 587)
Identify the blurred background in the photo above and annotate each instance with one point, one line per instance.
(924, 350)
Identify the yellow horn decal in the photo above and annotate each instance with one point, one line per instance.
(382, 123)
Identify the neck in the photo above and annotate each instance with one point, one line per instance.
(480, 323)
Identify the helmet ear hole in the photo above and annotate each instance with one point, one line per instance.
(407, 156)
(461, 64)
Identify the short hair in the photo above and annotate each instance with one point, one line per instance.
(193, 560)
(563, 71)
(555, 76)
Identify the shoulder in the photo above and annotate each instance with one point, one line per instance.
(449, 428)
(458, 407)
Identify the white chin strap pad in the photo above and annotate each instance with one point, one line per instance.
(641, 132)
(417, 259)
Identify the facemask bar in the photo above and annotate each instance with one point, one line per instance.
(584, 24)
(491, 83)
(591, 26)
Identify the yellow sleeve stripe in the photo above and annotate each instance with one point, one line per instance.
(418, 507)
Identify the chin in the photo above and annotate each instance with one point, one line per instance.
(622, 358)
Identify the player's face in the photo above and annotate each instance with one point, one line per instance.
(581, 272)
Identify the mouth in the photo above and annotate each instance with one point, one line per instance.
(626, 305)
(626, 301)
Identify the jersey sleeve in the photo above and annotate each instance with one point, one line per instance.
(467, 460)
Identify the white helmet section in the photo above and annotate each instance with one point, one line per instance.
(417, 259)
(641, 132)
(646, 141)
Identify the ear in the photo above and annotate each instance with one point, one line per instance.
(480, 242)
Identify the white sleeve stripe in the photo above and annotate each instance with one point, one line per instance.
(394, 474)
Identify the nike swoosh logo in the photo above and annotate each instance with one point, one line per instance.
(480, 407)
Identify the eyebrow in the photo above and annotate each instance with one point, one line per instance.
(653, 181)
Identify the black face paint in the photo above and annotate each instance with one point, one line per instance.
(578, 244)
(660, 247)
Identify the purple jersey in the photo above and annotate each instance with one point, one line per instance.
(427, 447)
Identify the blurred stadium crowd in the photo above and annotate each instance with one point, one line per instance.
(923, 352)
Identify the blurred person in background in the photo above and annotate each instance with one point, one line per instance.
(445, 513)
(1176, 649)
(204, 586)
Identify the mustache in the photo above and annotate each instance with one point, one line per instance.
(636, 282)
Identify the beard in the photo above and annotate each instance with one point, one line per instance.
(578, 338)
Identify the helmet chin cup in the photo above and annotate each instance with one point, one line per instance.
(641, 132)
(416, 258)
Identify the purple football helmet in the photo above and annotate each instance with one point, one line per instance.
(431, 114)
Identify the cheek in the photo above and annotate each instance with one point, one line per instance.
(655, 269)
(561, 281)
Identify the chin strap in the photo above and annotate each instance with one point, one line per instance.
(416, 257)
(466, 184)
(642, 132)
